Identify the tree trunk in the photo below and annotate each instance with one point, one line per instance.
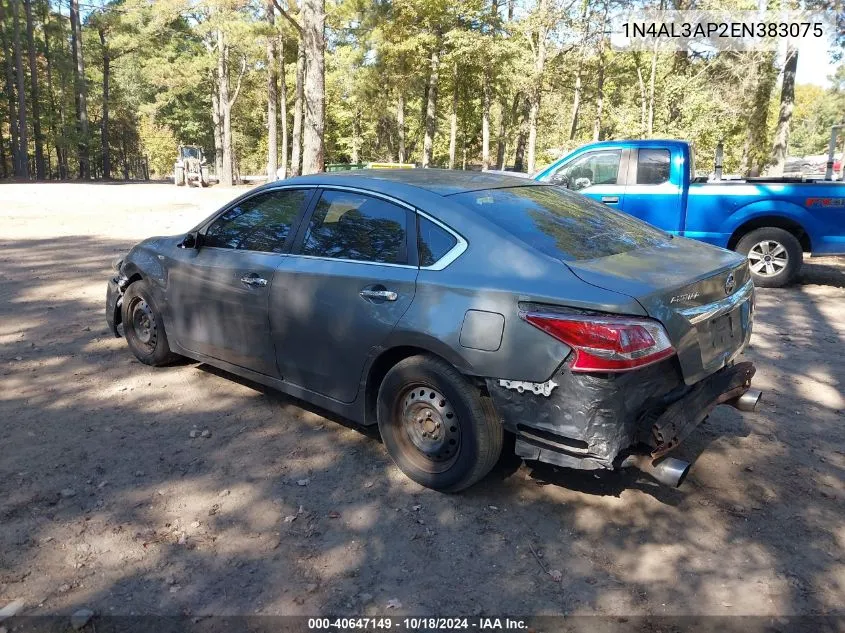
(579, 69)
(23, 145)
(600, 79)
(58, 146)
(400, 124)
(537, 85)
(453, 118)
(519, 153)
(217, 120)
(754, 151)
(4, 170)
(314, 27)
(272, 97)
(80, 91)
(33, 85)
(650, 127)
(643, 100)
(283, 103)
(485, 119)
(599, 99)
(576, 100)
(787, 101)
(501, 134)
(226, 175)
(10, 93)
(299, 90)
(356, 135)
(431, 105)
(104, 130)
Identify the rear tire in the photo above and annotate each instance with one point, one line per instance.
(437, 427)
(774, 255)
(144, 326)
(179, 176)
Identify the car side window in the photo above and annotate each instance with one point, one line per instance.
(433, 242)
(347, 225)
(593, 168)
(653, 166)
(259, 223)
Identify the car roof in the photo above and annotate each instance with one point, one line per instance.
(443, 182)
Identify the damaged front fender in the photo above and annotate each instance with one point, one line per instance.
(114, 302)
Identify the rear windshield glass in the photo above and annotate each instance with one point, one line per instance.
(560, 223)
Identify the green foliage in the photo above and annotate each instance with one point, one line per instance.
(163, 63)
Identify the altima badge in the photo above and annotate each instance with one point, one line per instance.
(687, 297)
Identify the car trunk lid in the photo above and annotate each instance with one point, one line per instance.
(700, 293)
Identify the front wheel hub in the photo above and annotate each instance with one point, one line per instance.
(144, 324)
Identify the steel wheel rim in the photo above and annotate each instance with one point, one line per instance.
(768, 258)
(429, 427)
(143, 324)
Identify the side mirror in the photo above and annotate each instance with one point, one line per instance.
(560, 179)
(191, 240)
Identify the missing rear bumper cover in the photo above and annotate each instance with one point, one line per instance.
(594, 421)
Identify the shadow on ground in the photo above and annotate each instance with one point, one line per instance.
(108, 502)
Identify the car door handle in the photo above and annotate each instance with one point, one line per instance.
(383, 295)
(610, 199)
(254, 280)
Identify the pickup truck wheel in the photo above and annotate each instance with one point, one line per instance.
(774, 255)
(144, 327)
(437, 427)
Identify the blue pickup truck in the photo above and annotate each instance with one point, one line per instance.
(773, 221)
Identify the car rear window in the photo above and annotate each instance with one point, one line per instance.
(560, 223)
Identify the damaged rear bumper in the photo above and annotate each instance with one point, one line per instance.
(589, 421)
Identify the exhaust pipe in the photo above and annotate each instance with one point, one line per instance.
(748, 401)
(668, 471)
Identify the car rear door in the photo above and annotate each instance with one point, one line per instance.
(650, 193)
(350, 277)
(218, 294)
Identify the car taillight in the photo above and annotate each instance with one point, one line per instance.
(606, 344)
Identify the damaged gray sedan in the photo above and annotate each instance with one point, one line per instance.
(451, 308)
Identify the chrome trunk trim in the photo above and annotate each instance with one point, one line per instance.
(709, 311)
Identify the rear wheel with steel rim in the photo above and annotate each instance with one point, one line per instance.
(144, 327)
(774, 256)
(437, 427)
(431, 432)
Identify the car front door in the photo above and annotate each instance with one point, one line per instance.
(349, 279)
(595, 174)
(219, 293)
(650, 194)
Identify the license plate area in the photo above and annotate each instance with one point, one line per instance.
(724, 334)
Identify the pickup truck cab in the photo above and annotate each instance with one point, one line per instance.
(772, 221)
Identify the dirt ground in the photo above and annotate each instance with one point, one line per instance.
(108, 502)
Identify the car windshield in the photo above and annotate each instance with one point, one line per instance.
(190, 152)
(560, 223)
